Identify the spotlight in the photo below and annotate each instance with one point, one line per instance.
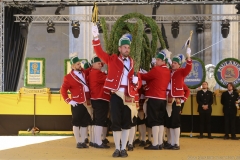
(75, 29)
(238, 8)
(147, 29)
(50, 27)
(24, 29)
(225, 28)
(200, 27)
(99, 27)
(175, 29)
(59, 8)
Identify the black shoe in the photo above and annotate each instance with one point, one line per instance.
(226, 137)
(84, 145)
(123, 153)
(234, 138)
(148, 142)
(116, 153)
(91, 144)
(137, 141)
(130, 147)
(79, 145)
(160, 147)
(142, 144)
(200, 137)
(175, 147)
(105, 141)
(210, 137)
(167, 146)
(86, 140)
(151, 147)
(102, 146)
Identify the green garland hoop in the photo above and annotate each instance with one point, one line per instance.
(217, 67)
(122, 26)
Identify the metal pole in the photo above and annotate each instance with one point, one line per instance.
(191, 115)
(34, 116)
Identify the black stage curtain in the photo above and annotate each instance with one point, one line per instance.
(14, 48)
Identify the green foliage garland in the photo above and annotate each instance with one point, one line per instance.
(122, 26)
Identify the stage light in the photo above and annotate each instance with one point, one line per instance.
(175, 29)
(75, 29)
(24, 29)
(50, 27)
(147, 29)
(200, 27)
(225, 28)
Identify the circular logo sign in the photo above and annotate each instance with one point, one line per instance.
(197, 75)
(227, 71)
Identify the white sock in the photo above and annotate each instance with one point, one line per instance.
(142, 131)
(149, 130)
(93, 134)
(83, 133)
(168, 135)
(104, 133)
(160, 135)
(131, 135)
(124, 138)
(155, 132)
(76, 132)
(177, 135)
(117, 137)
(98, 132)
(172, 134)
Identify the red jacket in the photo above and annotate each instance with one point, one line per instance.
(115, 71)
(177, 80)
(157, 79)
(96, 81)
(186, 92)
(72, 83)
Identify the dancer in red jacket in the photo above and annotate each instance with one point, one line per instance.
(75, 82)
(123, 86)
(99, 99)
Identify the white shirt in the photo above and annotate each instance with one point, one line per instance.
(79, 74)
(124, 80)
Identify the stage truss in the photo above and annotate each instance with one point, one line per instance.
(207, 18)
(47, 3)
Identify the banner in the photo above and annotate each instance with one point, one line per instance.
(226, 71)
(68, 67)
(34, 91)
(34, 72)
(197, 75)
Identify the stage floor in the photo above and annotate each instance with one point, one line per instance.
(64, 147)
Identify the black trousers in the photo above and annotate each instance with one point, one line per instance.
(205, 116)
(229, 121)
(156, 109)
(120, 114)
(174, 121)
(100, 112)
(80, 116)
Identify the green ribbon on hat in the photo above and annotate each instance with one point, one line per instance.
(177, 59)
(124, 41)
(74, 60)
(95, 59)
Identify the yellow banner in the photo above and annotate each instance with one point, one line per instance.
(34, 91)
